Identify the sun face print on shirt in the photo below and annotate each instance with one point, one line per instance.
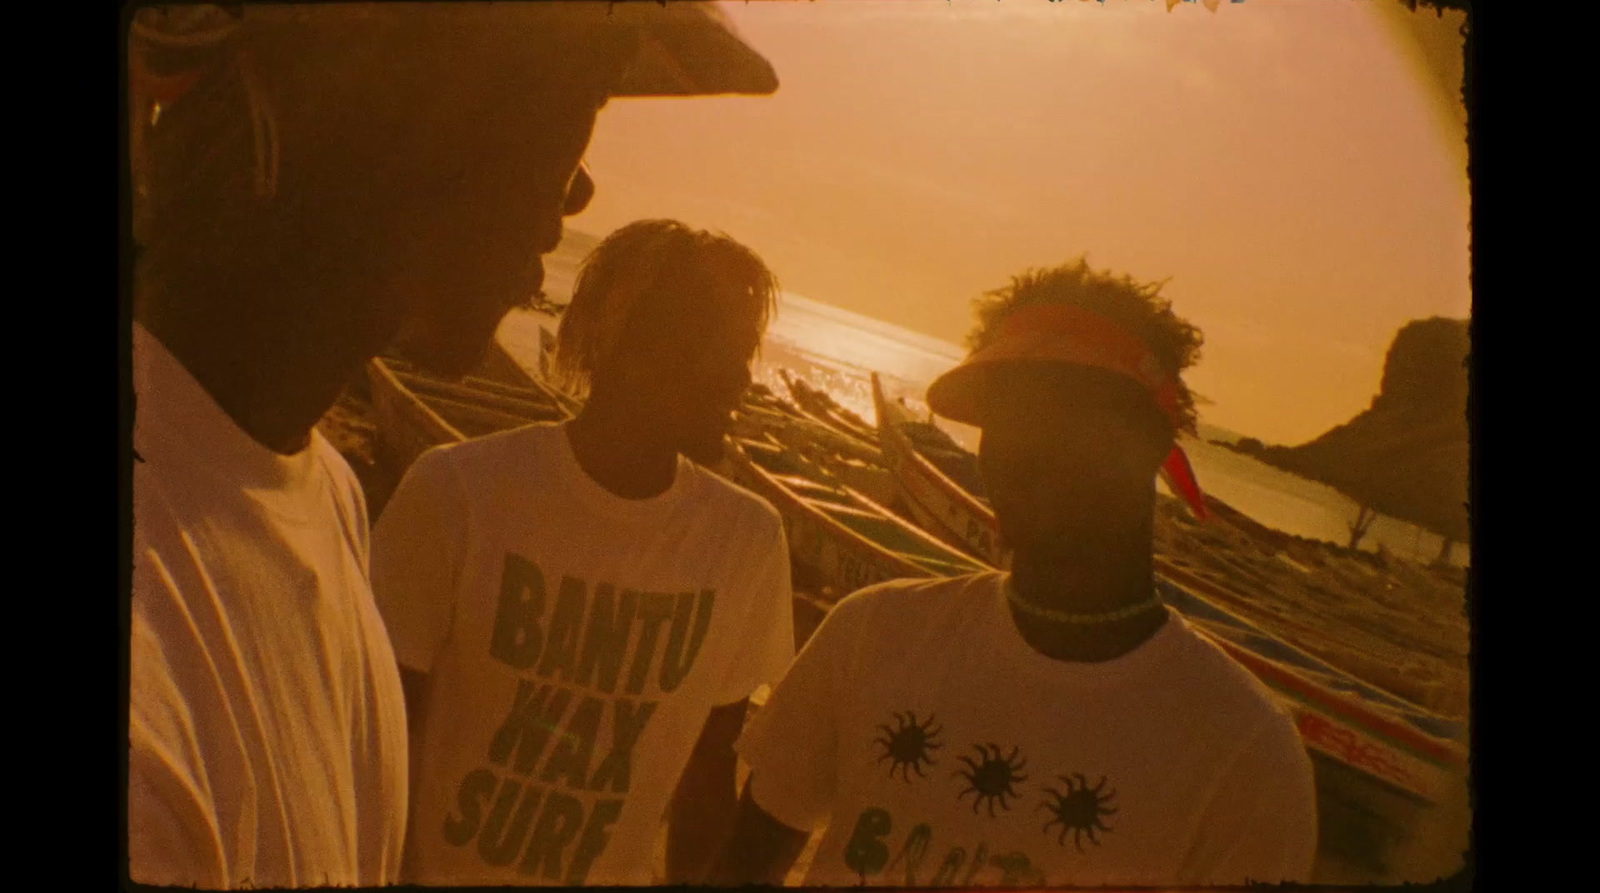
(995, 777)
(1079, 809)
(909, 745)
(992, 778)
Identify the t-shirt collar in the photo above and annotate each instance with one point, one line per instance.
(1141, 660)
(172, 409)
(598, 499)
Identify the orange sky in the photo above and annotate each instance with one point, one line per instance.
(1287, 164)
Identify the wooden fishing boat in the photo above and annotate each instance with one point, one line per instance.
(415, 412)
(1337, 713)
(1391, 778)
(820, 406)
(838, 535)
(844, 538)
(760, 398)
(762, 413)
(937, 503)
(1394, 652)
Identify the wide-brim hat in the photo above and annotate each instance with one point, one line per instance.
(691, 49)
(684, 48)
(1065, 334)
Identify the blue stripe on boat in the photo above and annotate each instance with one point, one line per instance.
(1260, 642)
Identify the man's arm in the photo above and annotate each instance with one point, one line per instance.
(414, 685)
(759, 850)
(702, 808)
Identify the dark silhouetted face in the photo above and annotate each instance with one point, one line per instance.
(1069, 456)
(426, 161)
(686, 366)
(504, 125)
(486, 257)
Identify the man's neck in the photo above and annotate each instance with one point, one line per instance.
(275, 392)
(1114, 574)
(616, 447)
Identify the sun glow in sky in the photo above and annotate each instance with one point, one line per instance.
(1294, 169)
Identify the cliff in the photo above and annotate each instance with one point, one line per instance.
(1406, 455)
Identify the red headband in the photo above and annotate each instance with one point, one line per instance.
(1070, 334)
(1064, 333)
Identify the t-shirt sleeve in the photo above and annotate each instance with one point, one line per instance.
(417, 549)
(766, 644)
(1261, 824)
(791, 743)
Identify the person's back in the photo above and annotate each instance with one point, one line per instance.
(580, 611)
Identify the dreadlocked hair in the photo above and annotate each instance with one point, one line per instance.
(639, 268)
(1136, 306)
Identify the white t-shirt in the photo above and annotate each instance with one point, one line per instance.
(575, 643)
(941, 749)
(266, 721)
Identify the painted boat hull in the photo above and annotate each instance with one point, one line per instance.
(937, 503)
(817, 407)
(839, 556)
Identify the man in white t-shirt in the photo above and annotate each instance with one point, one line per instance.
(581, 612)
(309, 182)
(1053, 725)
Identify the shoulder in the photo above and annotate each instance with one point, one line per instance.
(341, 478)
(899, 617)
(927, 592)
(739, 506)
(333, 462)
(1227, 684)
(912, 603)
(528, 441)
(487, 456)
(152, 511)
